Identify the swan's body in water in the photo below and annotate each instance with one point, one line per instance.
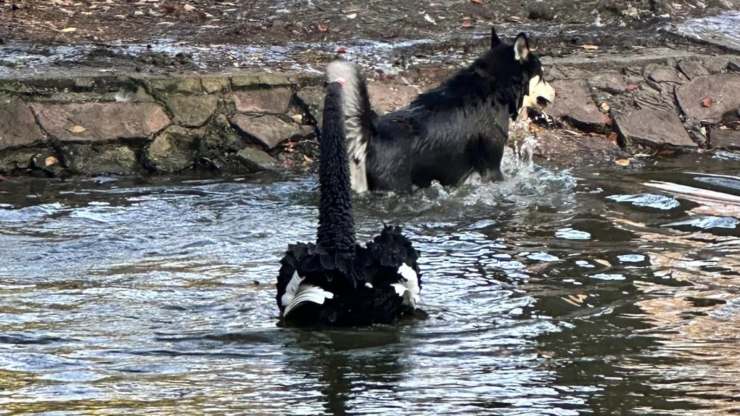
(336, 281)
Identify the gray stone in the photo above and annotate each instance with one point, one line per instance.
(664, 74)
(274, 80)
(92, 159)
(245, 81)
(173, 150)
(256, 160)
(18, 126)
(181, 85)
(269, 130)
(565, 150)
(724, 139)
(100, 121)
(192, 111)
(722, 89)
(653, 128)
(214, 85)
(692, 69)
(16, 159)
(274, 100)
(612, 83)
(575, 105)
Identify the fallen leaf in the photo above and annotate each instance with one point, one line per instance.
(632, 87)
(603, 262)
(298, 118)
(341, 49)
(51, 160)
(351, 16)
(321, 27)
(307, 159)
(592, 134)
(605, 106)
(607, 119)
(466, 23)
(76, 129)
(707, 102)
(666, 152)
(238, 179)
(590, 47)
(623, 162)
(477, 1)
(69, 29)
(612, 137)
(429, 19)
(188, 8)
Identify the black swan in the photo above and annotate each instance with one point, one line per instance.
(337, 282)
(448, 133)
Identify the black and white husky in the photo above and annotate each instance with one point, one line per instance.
(448, 133)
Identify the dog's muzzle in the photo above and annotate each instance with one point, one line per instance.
(541, 94)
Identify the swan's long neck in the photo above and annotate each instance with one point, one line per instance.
(336, 225)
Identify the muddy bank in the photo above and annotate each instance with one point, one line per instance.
(653, 102)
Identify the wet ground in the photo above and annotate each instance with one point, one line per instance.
(164, 36)
(555, 292)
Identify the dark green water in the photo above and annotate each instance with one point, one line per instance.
(553, 293)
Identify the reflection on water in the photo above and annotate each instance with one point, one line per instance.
(555, 292)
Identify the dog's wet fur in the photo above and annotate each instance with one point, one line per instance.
(448, 133)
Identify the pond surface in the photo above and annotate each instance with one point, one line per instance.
(553, 293)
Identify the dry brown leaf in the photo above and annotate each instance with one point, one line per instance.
(76, 129)
(321, 27)
(605, 106)
(707, 102)
(612, 137)
(51, 160)
(603, 262)
(590, 47)
(341, 49)
(623, 162)
(632, 87)
(298, 118)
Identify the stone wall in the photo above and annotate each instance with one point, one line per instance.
(128, 125)
(110, 124)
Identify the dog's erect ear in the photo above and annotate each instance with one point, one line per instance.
(495, 41)
(521, 47)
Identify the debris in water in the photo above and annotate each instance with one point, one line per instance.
(603, 262)
(623, 162)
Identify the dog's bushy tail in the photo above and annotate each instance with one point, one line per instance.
(358, 119)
